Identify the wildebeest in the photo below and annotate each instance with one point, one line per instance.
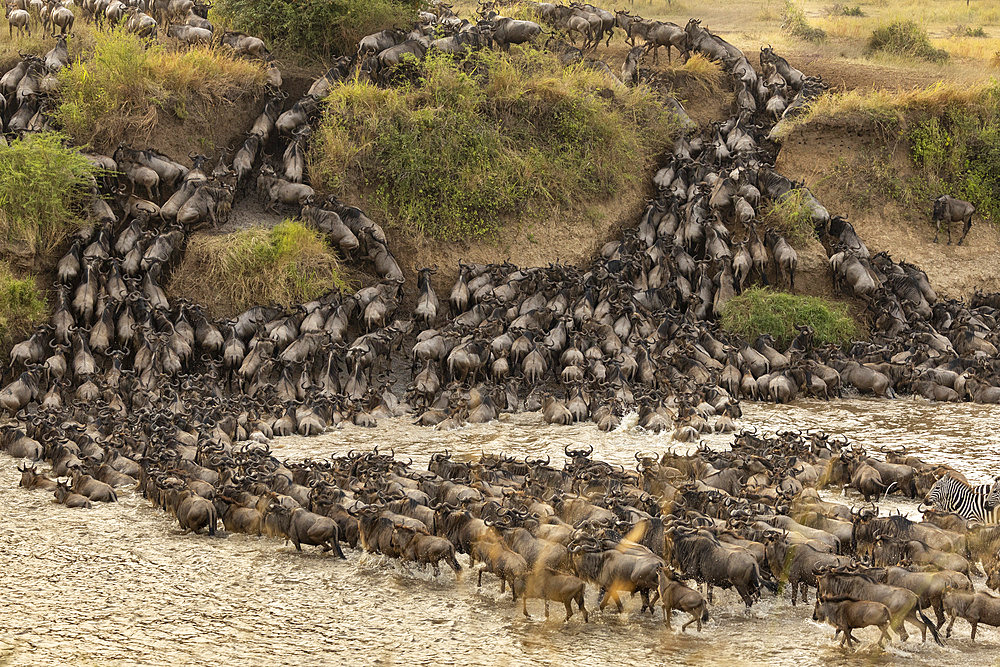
(304, 527)
(675, 595)
(948, 209)
(846, 614)
(976, 608)
(549, 584)
(904, 605)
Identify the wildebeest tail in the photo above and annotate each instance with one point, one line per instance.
(930, 626)
(704, 613)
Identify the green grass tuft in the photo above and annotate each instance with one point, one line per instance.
(473, 143)
(791, 217)
(760, 311)
(43, 186)
(287, 264)
(905, 38)
(847, 10)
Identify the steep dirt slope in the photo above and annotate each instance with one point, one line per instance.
(831, 157)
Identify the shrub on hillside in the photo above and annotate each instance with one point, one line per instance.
(472, 142)
(760, 311)
(319, 27)
(42, 189)
(793, 19)
(905, 38)
(287, 264)
(960, 151)
(22, 305)
(116, 93)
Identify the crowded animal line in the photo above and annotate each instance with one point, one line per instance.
(125, 387)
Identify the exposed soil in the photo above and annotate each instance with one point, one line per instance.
(573, 237)
(819, 153)
(206, 129)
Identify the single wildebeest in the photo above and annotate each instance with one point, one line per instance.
(507, 31)
(675, 595)
(66, 497)
(31, 479)
(976, 608)
(845, 614)
(548, 584)
(947, 210)
(304, 527)
(425, 549)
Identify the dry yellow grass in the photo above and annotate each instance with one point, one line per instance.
(889, 106)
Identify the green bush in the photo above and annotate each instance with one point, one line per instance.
(793, 19)
(287, 264)
(320, 27)
(905, 38)
(962, 30)
(43, 185)
(472, 142)
(847, 10)
(960, 151)
(760, 311)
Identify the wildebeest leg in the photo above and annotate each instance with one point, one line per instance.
(480, 577)
(975, 624)
(546, 607)
(913, 618)
(939, 613)
(745, 594)
(884, 638)
(580, 602)
(900, 628)
(965, 232)
(569, 609)
(695, 616)
(950, 623)
(524, 606)
(670, 60)
(667, 611)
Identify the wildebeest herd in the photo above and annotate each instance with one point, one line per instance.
(125, 385)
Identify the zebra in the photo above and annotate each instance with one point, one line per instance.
(993, 499)
(975, 503)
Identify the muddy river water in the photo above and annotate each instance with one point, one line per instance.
(118, 584)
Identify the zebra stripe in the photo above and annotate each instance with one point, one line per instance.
(975, 503)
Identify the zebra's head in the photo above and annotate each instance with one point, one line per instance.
(936, 495)
(993, 499)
